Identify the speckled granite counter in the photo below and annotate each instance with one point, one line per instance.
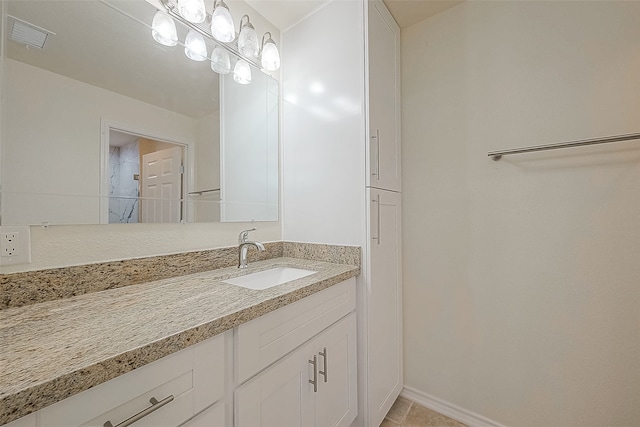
(55, 349)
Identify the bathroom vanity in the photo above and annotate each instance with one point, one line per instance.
(189, 350)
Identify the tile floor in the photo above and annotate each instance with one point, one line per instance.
(405, 413)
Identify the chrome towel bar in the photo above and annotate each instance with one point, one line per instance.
(201, 192)
(497, 155)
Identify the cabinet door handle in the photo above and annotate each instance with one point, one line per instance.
(314, 381)
(376, 137)
(323, 353)
(155, 405)
(377, 202)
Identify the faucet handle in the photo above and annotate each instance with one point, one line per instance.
(244, 235)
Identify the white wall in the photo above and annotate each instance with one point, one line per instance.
(51, 143)
(66, 245)
(323, 126)
(207, 161)
(521, 277)
(249, 148)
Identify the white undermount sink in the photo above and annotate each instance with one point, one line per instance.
(269, 278)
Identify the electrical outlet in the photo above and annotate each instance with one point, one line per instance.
(10, 244)
(15, 245)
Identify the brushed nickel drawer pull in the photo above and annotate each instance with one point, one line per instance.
(377, 202)
(314, 381)
(323, 353)
(155, 405)
(376, 137)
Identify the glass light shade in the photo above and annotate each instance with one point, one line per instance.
(222, 27)
(192, 10)
(195, 47)
(220, 62)
(248, 41)
(242, 72)
(163, 29)
(270, 56)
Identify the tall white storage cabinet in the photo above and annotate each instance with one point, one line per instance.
(381, 308)
(341, 170)
(381, 371)
(383, 48)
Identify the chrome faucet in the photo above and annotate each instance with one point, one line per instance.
(243, 243)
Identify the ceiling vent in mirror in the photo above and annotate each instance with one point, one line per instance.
(27, 34)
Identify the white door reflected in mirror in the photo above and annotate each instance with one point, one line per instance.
(161, 186)
(145, 177)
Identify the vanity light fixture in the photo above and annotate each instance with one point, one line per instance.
(195, 47)
(242, 72)
(222, 28)
(248, 39)
(218, 28)
(220, 61)
(164, 29)
(270, 55)
(192, 10)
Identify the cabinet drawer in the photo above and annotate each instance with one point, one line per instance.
(180, 408)
(214, 416)
(195, 377)
(26, 421)
(266, 339)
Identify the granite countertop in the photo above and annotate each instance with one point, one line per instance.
(55, 349)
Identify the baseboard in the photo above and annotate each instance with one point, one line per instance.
(448, 409)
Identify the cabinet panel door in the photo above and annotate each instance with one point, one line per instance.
(384, 304)
(260, 342)
(336, 399)
(279, 396)
(214, 416)
(384, 99)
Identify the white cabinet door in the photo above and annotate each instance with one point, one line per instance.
(262, 341)
(384, 99)
(336, 403)
(284, 395)
(279, 396)
(384, 295)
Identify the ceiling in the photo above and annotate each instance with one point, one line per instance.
(285, 13)
(128, 61)
(144, 69)
(409, 12)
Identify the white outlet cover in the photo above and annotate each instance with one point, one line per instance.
(24, 245)
(9, 244)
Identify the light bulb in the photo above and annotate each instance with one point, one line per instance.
(248, 39)
(163, 29)
(192, 10)
(194, 46)
(242, 72)
(222, 27)
(220, 62)
(270, 56)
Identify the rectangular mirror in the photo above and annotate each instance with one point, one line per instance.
(105, 125)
